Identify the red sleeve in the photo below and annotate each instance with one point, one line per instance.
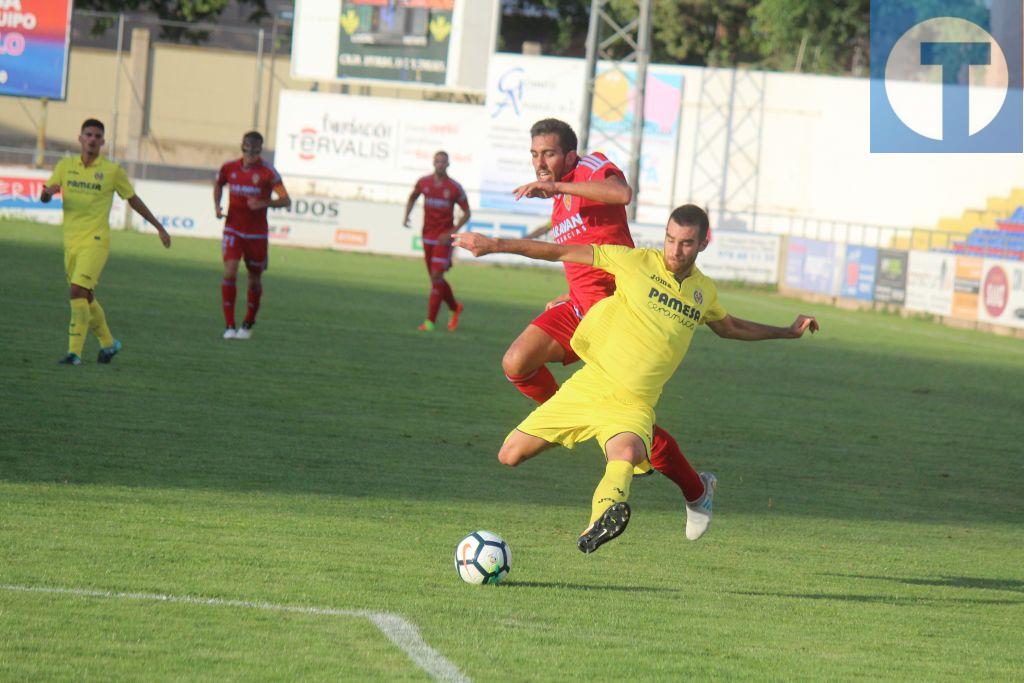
(461, 199)
(608, 170)
(222, 175)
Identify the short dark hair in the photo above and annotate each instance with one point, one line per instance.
(693, 216)
(441, 151)
(253, 136)
(566, 136)
(93, 123)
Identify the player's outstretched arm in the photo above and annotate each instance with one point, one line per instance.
(282, 201)
(479, 245)
(611, 190)
(413, 196)
(731, 327)
(143, 210)
(48, 192)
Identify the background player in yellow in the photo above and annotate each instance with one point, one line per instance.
(631, 343)
(87, 184)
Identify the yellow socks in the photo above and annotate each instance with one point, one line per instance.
(613, 488)
(98, 324)
(79, 326)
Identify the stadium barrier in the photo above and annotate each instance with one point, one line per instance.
(962, 291)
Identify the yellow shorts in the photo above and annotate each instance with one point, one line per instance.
(84, 265)
(587, 407)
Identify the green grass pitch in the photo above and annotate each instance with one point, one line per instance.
(868, 522)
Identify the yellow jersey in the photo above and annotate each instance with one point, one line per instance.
(87, 193)
(638, 336)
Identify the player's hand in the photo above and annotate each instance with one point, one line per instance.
(48, 192)
(474, 243)
(561, 299)
(802, 324)
(544, 189)
(405, 223)
(254, 203)
(165, 238)
(220, 213)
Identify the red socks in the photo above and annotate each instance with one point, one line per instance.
(449, 295)
(539, 385)
(670, 461)
(253, 305)
(228, 291)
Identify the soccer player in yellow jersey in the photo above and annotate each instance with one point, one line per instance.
(631, 344)
(87, 184)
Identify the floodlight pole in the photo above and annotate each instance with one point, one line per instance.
(636, 36)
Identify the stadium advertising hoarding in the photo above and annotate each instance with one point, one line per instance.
(184, 209)
(387, 142)
(930, 282)
(419, 43)
(859, 273)
(1001, 299)
(34, 40)
(20, 189)
(520, 91)
(891, 277)
(524, 89)
(811, 265)
(966, 287)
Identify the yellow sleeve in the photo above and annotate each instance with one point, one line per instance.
(122, 185)
(57, 177)
(614, 258)
(714, 312)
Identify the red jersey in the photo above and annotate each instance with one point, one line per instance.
(440, 195)
(256, 181)
(575, 220)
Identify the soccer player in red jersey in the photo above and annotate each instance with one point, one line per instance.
(251, 185)
(440, 195)
(590, 194)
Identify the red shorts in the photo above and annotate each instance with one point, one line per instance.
(437, 256)
(559, 322)
(253, 250)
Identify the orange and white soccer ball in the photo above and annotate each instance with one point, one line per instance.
(483, 557)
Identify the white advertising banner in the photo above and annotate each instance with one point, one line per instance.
(385, 143)
(1001, 300)
(182, 208)
(930, 282)
(308, 222)
(522, 90)
(740, 256)
(508, 226)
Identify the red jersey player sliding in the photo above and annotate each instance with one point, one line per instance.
(440, 195)
(590, 194)
(251, 186)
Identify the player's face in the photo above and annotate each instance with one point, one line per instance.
(91, 139)
(550, 163)
(251, 150)
(682, 244)
(440, 164)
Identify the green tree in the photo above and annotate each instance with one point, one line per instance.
(187, 11)
(810, 35)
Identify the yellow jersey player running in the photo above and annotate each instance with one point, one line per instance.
(87, 184)
(631, 344)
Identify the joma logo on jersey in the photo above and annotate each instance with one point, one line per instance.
(686, 310)
(661, 281)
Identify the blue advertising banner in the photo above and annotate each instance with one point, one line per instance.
(811, 265)
(34, 43)
(859, 273)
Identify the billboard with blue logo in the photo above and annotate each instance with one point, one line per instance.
(859, 274)
(34, 45)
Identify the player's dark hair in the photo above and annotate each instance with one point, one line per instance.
(93, 123)
(566, 136)
(441, 151)
(693, 216)
(253, 136)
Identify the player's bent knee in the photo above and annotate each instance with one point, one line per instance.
(516, 363)
(511, 455)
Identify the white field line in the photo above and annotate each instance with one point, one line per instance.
(399, 631)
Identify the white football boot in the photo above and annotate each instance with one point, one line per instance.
(698, 513)
(230, 333)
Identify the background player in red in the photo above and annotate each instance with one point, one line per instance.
(251, 185)
(440, 195)
(590, 194)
